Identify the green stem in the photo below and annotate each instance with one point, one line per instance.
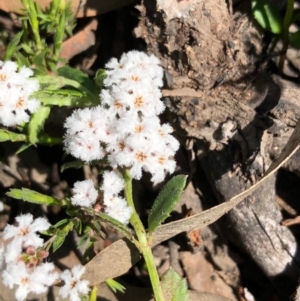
(285, 33)
(93, 296)
(48, 140)
(34, 23)
(144, 247)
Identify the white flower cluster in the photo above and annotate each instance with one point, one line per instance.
(125, 127)
(85, 194)
(23, 259)
(73, 285)
(22, 262)
(15, 90)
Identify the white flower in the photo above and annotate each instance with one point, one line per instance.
(15, 96)
(119, 210)
(84, 147)
(24, 234)
(73, 285)
(37, 281)
(112, 182)
(85, 193)
(89, 122)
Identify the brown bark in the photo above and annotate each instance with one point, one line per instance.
(240, 118)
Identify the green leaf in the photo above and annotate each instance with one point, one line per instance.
(49, 82)
(295, 39)
(115, 286)
(83, 240)
(13, 46)
(59, 239)
(21, 59)
(73, 164)
(77, 224)
(11, 136)
(100, 77)
(28, 49)
(63, 222)
(23, 147)
(79, 80)
(267, 15)
(36, 124)
(39, 59)
(59, 34)
(120, 227)
(174, 287)
(63, 97)
(166, 201)
(31, 196)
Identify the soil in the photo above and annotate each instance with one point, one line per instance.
(232, 112)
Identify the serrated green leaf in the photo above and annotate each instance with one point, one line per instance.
(295, 39)
(13, 46)
(73, 164)
(32, 196)
(174, 287)
(267, 15)
(166, 201)
(79, 80)
(36, 124)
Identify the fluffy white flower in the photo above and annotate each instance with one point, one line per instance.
(125, 128)
(84, 147)
(37, 281)
(15, 98)
(24, 234)
(73, 285)
(119, 210)
(112, 182)
(85, 193)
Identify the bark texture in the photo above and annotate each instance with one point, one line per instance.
(238, 117)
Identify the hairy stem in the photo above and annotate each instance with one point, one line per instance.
(145, 248)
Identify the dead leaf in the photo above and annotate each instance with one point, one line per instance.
(112, 262)
(116, 259)
(209, 216)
